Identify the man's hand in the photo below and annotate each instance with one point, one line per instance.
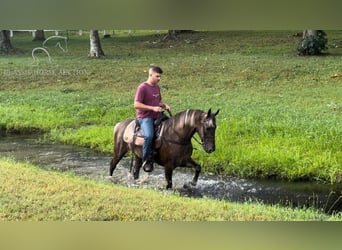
(157, 109)
(167, 107)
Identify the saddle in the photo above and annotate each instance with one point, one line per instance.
(133, 133)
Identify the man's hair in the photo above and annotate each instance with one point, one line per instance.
(156, 69)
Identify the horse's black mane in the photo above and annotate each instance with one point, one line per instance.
(186, 117)
(187, 114)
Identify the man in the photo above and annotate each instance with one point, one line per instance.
(148, 104)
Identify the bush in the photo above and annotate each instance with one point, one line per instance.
(313, 43)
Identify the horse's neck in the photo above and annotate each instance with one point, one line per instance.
(183, 126)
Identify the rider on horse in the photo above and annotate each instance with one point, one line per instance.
(148, 104)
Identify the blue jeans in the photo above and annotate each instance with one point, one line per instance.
(147, 126)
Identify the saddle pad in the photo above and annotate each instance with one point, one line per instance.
(129, 134)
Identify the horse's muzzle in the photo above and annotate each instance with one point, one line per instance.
(209, 148)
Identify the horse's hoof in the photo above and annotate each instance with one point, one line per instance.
(143, 180)
(168, 191)
(193, 183)
(189, 185)
(109, 178)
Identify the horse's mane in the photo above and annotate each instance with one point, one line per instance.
(184, 118)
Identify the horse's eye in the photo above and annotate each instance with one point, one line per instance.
(210, 128)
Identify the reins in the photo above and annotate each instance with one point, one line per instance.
(199, 142)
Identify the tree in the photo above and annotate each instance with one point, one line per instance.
(39, 35)
(95, 45)
(172, 34)
(313, 43)
(5, 42)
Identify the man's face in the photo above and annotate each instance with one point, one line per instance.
(155, 77)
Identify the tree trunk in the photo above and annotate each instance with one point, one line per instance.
(313, 42)
(172, 34)
(5, 42)
(95, 45)
(39, 36)
(307, 33)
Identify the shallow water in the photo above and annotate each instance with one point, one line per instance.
(86, 162)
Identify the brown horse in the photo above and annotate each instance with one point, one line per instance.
(173, 146)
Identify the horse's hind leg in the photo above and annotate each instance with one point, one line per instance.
(120, 150)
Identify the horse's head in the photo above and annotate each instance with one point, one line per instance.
(206, 131)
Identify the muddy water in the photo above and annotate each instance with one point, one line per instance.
(85, 162)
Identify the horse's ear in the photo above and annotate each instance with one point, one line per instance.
(217, 112)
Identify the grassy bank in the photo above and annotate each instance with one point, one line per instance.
(28, 193)
(281, 115)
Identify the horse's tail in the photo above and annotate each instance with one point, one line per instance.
(115, 130)
(119, 130)
(120, 147)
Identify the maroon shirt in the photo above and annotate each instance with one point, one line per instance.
(148, 95)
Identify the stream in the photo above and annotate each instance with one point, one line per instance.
(95, 165)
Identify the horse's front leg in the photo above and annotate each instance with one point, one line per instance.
(168, 176)
(192, 164)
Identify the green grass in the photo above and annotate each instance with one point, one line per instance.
(280, 114)
(28, 193)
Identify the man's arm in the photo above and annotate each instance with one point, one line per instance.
(141, 106)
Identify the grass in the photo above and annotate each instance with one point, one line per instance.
(280, 113)
(280, 117)
(38, 195)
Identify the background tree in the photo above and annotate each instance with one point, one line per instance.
(5, 41)
(95, 45)
(313, 43)
(39, 35)
(172, 34)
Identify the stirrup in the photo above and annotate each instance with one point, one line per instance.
(148, 166)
